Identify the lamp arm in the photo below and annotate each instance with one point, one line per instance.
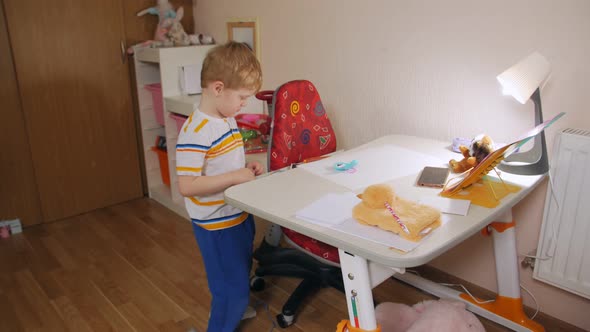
(536, 98)
(536, 159)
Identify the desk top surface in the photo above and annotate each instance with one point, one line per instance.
(278, 196)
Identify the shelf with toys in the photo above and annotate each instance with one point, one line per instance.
(163, 105)
(158, 74)
(166, 70)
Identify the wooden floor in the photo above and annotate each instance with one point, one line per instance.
(136, 267)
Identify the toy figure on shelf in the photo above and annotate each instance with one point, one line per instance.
(169, 31)
(173, 31)
(163, 10)
(481, 147)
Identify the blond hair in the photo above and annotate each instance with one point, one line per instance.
(234, 64)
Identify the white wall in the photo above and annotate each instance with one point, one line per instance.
(428, 68)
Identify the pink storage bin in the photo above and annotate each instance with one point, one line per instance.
(179, 119)
(156, 90)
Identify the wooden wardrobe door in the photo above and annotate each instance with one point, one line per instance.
(18, 190)
(76, 99)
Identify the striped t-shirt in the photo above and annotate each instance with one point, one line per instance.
(210, 146)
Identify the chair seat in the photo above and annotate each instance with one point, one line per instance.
(313, 246)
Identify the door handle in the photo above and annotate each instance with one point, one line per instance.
(123, 53)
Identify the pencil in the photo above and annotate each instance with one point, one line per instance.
(396, 217)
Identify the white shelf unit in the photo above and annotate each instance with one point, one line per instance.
(183, 105)
(162, 65)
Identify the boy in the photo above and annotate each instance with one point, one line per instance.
(210, 158)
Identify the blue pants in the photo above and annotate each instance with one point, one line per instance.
(227, 255)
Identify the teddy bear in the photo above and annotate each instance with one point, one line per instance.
(427, 316)
(380, 207)
(481, 146)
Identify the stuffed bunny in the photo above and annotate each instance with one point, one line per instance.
(169, 31)
(164, 11)
(174, 31)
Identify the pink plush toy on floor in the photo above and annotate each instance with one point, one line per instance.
(427, 316)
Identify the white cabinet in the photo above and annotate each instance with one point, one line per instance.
(163, 65)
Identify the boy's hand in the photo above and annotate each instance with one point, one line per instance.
(243, 175)
(256, 167)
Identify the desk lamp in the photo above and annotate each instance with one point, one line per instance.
(523, 81)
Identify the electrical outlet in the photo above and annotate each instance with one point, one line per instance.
(529, 261)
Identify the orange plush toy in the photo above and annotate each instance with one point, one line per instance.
(381, 207)
(481, 147)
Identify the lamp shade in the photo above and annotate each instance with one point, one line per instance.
(522, 79)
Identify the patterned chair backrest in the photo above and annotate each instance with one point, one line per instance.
(300, 125)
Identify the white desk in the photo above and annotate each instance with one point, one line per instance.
(366, 264)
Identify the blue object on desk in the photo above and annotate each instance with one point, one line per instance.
(343, 166)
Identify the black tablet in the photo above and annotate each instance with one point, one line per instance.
(433, 177)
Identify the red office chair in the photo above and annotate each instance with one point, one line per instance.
(300, 130)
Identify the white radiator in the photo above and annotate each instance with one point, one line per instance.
(564, 243)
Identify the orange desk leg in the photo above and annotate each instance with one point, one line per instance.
(509, 308)
(508, 303)
(344, 326)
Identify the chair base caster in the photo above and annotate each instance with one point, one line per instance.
(257, 284)
(285, 321)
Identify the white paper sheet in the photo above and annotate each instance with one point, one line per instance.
(335, 211)
(331, 209)
(447, 205)
(376, 234)
(375, 165)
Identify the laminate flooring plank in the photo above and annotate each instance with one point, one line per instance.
(137, 267)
